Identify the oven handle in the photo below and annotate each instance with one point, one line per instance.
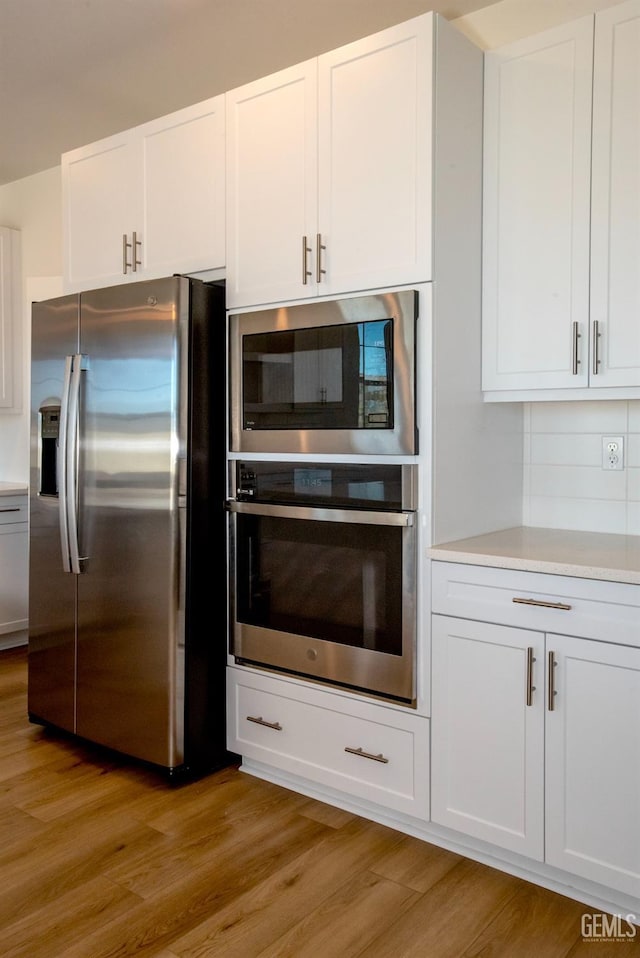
(357, 516)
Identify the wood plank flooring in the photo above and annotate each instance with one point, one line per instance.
(102, 859)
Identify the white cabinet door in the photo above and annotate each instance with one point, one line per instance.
(101, 204)
(487, 733)
(593, 762)
(14, 563)
(272, 187)
(374, 167)
(536, 210)
(14, 576)
(615, 222)
(182, 161)
(10, 316)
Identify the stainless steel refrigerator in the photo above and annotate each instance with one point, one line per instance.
(127, 641)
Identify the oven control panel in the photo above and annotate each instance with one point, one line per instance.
(246, 482)
(376, 487)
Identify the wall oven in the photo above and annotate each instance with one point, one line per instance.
(322, 572)
(325, 377)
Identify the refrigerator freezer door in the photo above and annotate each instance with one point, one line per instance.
(130, 663)
(52, 592)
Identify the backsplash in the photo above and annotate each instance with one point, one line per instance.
(565, 486)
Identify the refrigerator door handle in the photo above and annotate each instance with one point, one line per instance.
(72, 464)
(68, 465)
(62, 465)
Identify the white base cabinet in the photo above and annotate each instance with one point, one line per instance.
(375, 753)
(14, 564)
(147, 202)
(592, 768)
(487, 743)
(536, 734)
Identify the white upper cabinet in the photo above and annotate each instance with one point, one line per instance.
(561, 285)
(615, 211)
(272, 147)
(329, 171)
(536, 209)
(10, 305)
(147, 202)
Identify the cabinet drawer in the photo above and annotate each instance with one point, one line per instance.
(597, 609)
(373, 752)
(13, 509)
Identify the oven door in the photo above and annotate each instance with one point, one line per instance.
(326, 593)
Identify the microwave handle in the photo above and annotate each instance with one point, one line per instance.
(357, 516)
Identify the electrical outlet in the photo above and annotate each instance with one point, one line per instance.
(612, 452)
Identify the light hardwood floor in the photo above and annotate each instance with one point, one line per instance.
(101, 859)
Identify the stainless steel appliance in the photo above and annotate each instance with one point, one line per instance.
(326, 377)
(322, 572)
(127, 520)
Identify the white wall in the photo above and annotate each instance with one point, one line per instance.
(33, 206)
(510, 20)
(565, 486)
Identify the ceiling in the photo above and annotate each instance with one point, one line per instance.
(73, 71)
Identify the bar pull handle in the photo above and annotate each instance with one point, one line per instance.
(260, 721)
(361, 752)
(135, 243)
(62, 465)
(125, 246)
(551, 682)
(596, 347)
(319, 247)
(306, 273)
(576, 359)
(530, 686)
(544, 605)
(12, 509)
(71, 468)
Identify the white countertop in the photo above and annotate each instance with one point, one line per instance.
(13, 488)
(588, 555)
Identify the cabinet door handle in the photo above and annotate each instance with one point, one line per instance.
(306, 273)
(530, 686)
(12, 509)
(544, 605)
(260, 721)
(125, 246)
(596, 347)
(319, 247)
(135, 243)
(361, 752)
(575, 359)
(551, 682)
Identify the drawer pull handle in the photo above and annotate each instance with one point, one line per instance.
(11, 509)
(545, 605)
(361, 752)
(530, 686)
(260, 721)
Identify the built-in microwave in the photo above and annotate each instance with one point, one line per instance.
(326, 377)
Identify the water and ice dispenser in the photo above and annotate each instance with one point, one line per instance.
(49, 429)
